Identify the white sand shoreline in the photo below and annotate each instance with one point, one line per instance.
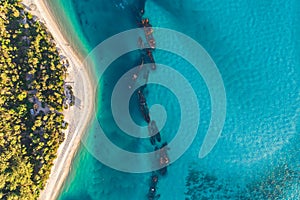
(77, 116)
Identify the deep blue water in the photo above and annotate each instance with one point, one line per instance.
(256, 47)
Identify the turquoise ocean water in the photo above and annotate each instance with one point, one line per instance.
(256, 46)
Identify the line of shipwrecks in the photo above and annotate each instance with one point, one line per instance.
(146, 48)
(153, 131)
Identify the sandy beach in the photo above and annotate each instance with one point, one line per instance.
(77, 116)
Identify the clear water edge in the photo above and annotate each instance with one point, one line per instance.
(263, 116)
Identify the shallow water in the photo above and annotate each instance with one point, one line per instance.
(256, 48)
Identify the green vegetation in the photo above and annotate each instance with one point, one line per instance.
(31, 101)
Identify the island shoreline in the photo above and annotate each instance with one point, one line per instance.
(77, 116)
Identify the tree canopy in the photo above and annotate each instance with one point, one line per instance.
(31, 100)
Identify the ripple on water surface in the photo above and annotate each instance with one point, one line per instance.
(254, 46)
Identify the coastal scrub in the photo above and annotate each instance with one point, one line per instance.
(32, 98)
